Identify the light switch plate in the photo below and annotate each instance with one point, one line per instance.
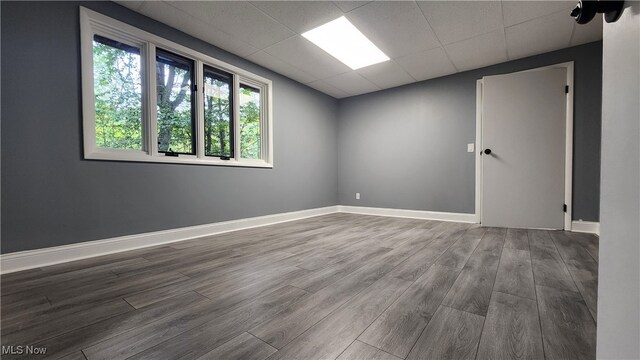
(470, 147)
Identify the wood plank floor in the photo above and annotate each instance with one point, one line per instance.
(339, 286)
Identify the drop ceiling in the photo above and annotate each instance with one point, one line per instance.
(424, 39)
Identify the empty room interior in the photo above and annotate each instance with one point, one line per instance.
(320, 180)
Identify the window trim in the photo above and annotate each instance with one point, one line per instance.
(93, 23)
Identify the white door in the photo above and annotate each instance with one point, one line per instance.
(523, 126)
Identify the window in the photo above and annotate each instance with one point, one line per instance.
(148, 99)
(218, 113)
(250, 122)
(175, 103)
(117, 82)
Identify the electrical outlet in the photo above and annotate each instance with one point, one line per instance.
(357, 196)
(470, 147)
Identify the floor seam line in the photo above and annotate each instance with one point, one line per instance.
(441, 300)
(535, 289)
(495, 278)
(574, 280)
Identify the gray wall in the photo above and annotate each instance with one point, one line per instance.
(619, 267)
(51, 196)
(407, 147)
(401, 148)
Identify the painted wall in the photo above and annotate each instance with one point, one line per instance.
(401, 148)
(51, 196)
(619, 267)
(406, 147)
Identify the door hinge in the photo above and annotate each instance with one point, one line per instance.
(564, 207)
(566, 89)
(195, 88)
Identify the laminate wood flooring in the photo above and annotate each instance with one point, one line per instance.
(339, 286)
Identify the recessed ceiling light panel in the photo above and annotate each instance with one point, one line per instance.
(346, 43)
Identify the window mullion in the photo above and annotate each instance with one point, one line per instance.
(236, 118)
(152, 106)
(144, 84)
(264, 130)
(199, 109)
(268, 120)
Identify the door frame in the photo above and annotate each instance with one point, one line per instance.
(568, 149)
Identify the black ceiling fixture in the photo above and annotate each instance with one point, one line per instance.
(586, 10)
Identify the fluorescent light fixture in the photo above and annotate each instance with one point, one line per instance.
(346, 43)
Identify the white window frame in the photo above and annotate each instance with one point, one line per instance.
(93, 23)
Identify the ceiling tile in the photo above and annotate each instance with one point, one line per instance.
(281, 67)
(133, 5)
(427, 64)
(397, 28)
(386, 74)
(164, 13)
(583, 34)
(307, 57)
(458, 20)
(352, 83)
(516, 12)
(321, 85)
(240, 19)
(544, 34)
(217, 37)
(477, 52)
(470, 34)
(300, 16)
(347, 6)
(197, 28)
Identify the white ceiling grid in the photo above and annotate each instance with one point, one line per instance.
(424, 39)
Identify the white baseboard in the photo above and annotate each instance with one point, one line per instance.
(30, 259)
(586, 227)
(413, 214)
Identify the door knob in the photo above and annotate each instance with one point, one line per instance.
(487, 151)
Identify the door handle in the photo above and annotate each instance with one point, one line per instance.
(487, 151)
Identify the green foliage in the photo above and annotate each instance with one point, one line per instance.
(118, 98)
(175, 127)
(217, 126)
(249, 123)
(118, 106)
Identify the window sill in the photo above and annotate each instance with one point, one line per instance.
(181, 159)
